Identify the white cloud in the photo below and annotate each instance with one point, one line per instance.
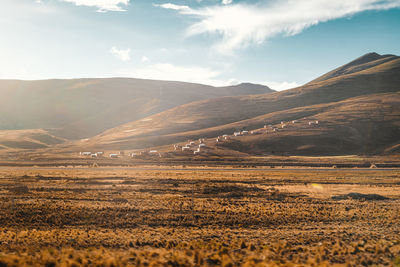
(123, 55)
(279, 86)
(170, 72)
(102, 5)
(240, 25)
(173, 6)
(144, 59)
(226, 2)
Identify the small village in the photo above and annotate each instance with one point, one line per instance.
(205, 145)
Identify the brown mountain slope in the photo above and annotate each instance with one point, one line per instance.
(81, 108)
(379, 75)
(361, 125)
(27, 139)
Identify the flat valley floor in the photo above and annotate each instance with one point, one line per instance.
(176, 216)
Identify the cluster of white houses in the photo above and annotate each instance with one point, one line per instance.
(91, 154)
(221, 138)
(270, 128)
(200, 146)
(119, 154)
(284, 124)
(192, 145)
(99, 154)
(141, 153)
(240, 133)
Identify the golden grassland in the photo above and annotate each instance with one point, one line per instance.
(217, 158)
(157, 216)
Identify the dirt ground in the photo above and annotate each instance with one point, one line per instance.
(175, 216)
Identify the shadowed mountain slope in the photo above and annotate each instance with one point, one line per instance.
(363, 125)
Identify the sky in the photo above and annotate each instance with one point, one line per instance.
(279, 43)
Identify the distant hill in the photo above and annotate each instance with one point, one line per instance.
(28, 139)
(363, 79)
(81, 108)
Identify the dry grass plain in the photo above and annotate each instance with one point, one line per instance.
(165, 216)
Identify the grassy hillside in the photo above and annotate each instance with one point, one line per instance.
(28, 139)
(365, 77)
(80, 108)
(362, 125)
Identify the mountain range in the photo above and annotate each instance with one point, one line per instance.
(36, 114)
(357, 107)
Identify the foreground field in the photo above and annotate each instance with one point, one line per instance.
(156, 216)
